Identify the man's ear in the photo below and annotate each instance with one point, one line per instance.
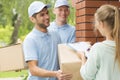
(32, 19)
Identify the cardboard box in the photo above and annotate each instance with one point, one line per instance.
(69, 61)
(11, 58)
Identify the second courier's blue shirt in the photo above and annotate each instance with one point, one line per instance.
(66, 32)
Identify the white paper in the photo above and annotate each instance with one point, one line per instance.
(80, 46)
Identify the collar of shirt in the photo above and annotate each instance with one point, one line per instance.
(60, 27)
(40, 33)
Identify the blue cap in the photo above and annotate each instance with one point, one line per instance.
(59, 3)
(36, 7)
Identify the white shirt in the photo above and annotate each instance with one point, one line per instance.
(100, 64)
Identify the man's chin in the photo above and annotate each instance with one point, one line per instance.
(43, 25)
(63, 20)
(47, 25)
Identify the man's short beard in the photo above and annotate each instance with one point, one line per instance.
(42, 26)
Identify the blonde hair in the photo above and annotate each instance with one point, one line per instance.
(111, 15)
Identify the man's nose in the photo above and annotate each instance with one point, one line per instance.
(47, 16)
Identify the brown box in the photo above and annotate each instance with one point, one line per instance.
(11, 58)
(69, 61)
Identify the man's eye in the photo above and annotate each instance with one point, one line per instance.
(41, 14)
(66, 9)
(60, 9)
(47, 13)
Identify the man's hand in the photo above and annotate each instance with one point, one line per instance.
(63, 76)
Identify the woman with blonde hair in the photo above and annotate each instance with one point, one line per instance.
(103, 62)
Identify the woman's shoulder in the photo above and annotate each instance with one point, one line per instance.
(97, 45)
(106, 43)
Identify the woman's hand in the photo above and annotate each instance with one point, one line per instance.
(82, 57)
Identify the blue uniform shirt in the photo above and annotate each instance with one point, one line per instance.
(66, 32)
(43, 48)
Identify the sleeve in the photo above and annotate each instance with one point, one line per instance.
(30, 49)
(89, 70)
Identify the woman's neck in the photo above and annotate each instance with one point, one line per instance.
(107, 32)
(108, 37)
